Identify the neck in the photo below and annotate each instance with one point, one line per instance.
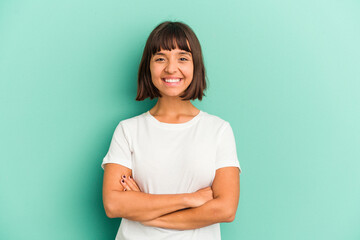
(173, 106)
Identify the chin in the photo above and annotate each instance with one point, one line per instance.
(171, 95)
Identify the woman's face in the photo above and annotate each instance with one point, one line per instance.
(171, 71)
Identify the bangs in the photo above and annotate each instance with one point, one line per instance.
(168, 39)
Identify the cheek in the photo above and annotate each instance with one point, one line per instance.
(190, 71)
(155, 70)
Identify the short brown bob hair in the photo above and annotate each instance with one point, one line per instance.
(167, 36)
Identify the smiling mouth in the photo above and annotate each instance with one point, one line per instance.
(173, 80)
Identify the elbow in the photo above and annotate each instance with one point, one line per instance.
(111, 211)
(229, 215)
(112, 206)
(224, 213)
(109, 214)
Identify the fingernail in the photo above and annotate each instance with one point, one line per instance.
(130, 177)
(122, 180)
(124, 176)
(125, 189)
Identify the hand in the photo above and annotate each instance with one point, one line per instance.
(150, 223)
(201, 196)
(196, 199)
(129, 184)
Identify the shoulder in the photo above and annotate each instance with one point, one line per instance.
(131, 124)
(214, 121)
(128, 127)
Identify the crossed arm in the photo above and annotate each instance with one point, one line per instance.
(174, 211)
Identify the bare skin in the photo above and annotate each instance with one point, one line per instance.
(197, 198)
(221, 208)
(172, 64)
(138, 206)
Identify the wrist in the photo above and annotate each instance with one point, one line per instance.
(189, 200)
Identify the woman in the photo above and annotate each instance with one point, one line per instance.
(171, 172)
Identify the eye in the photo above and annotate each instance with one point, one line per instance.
(183, 59)
(159, 59)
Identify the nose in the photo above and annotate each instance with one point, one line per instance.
(171, 66)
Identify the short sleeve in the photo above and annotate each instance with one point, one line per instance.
(226, 155)
(119, 151)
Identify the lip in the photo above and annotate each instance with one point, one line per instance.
(172, 84)
(171, 77)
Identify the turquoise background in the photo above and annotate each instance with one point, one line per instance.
(285, 74)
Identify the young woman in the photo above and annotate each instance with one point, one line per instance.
(171, 172)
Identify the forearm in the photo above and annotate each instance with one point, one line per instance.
(139, 206)
(210, 213)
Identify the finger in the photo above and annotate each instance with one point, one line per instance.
(130, 185)
(133, 185)
(124, 184)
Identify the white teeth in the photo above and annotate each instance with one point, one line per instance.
(172, 80)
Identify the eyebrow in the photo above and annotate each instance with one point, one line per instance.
(187, 53)
(180, 53)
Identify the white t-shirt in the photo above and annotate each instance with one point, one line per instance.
(172, 158)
